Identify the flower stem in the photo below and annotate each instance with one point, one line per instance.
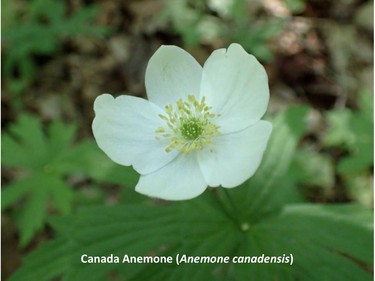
(235, 214)
(222, 205)
(230, 200)
(230, 207)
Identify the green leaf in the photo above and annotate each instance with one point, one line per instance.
(28, 148)
(269, 188)
(13, 192)
(360, 160)
(104, 231)
(24, 138)
(330, 242)
(60, 135)
(51, 259)
(30, 216)
(37, 190)
(61, 194)
(327, 243)
(26, 145)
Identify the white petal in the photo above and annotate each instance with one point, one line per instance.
(235, 84)
(236, 156)
(181, 179)
(172, 73)
(124, 129)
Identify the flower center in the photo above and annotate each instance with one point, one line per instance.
(189, 125)
(192, 129)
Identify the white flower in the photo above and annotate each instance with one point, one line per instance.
(200, 126)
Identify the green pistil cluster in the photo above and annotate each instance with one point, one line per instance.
(190, 125)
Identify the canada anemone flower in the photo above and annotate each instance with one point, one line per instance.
(199, 127)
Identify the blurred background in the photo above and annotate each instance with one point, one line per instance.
(58, 56)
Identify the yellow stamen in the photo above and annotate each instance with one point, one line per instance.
(189, 125)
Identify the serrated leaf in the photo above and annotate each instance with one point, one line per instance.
(27, 147)
(50, 260)
(327, 243)
(25, 139)
(60, 135)
(36, 191)
(13, 192)
(48, 159)
(31, 215)
(137, 230)
(121, 230)
(61, 194)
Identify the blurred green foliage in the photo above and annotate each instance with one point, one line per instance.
(296, 6)
(198, 22)
(317, 171)
(352, 132)
(43, 160)
(39, 27)
(266, 215)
